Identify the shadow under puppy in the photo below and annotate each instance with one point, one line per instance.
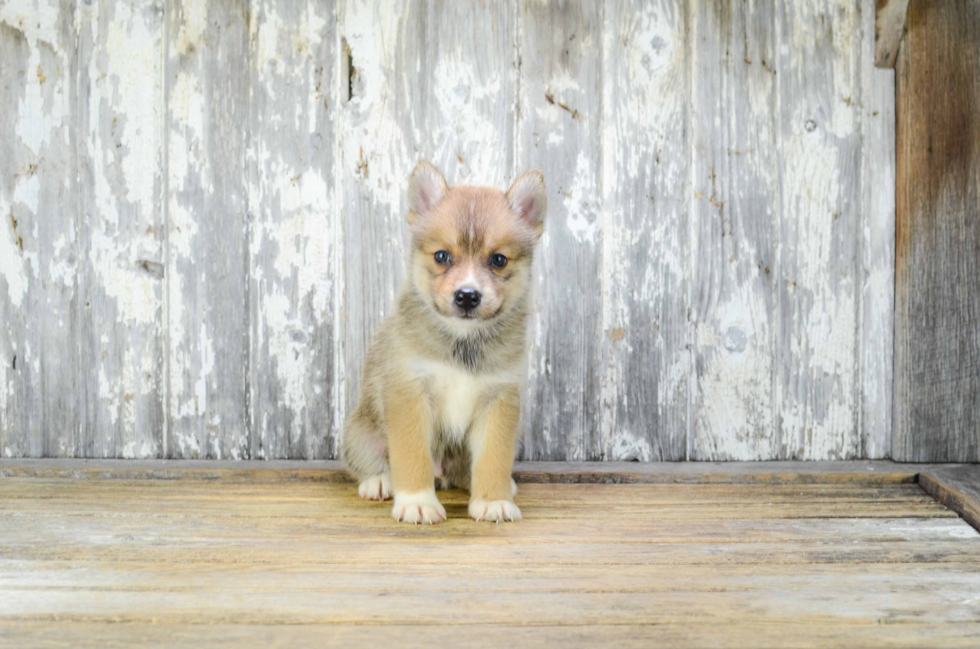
(441, 391)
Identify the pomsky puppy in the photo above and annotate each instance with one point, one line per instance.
(440, 396)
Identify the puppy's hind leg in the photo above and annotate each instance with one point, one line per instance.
(365, 455)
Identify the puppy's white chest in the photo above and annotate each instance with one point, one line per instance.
(456, 396)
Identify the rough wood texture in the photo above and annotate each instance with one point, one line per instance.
(39, 414)
(876, 294)
(203, 218)
(120, 231)
(687, 565)
(937, 317)
(889, 30)
(818, 263)
(957, 487)
(646, 243)
(559, 132)
(789, 472)
(294, 231)
(791, 300)
(207, 76)
(735, 207)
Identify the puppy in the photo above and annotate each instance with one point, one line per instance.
(441, 390)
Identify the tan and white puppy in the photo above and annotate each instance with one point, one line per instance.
(441, 391)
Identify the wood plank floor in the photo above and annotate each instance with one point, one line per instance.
(291, 564)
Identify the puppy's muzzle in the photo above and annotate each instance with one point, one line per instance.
(467, 298)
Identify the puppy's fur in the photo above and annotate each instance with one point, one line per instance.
(441, 390)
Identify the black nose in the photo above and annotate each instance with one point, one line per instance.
(467, 298)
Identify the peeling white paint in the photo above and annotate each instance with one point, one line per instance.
(580, 202)
(192, 27)
(11, 260)
(132, 50)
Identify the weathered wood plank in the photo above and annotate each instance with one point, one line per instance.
(38, 225)
(374, 164)
(559, 133)
(876, 291)
(937, 314)
(285, 606)
(646, 257)
(791, 472)
(117, 113)
(207, 77)
(818, 75)
(759, 635)
(889, 29)
(73, 527)
(530, 578)
(294, 231)
(957, 488)
(662, 503)
(734, 211)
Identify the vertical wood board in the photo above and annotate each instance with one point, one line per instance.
(118, 124)
(207, 77)
(646, 254)
(735, 208)
(559, 133)
(38, 246)
(937, 283)
(294, 230)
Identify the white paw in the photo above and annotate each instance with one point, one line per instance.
(422, 507)
(377, 487)
(513, 488)
(494, 511)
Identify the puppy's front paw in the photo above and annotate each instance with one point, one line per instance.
(377, 487)
(494, 511)
(422, 507)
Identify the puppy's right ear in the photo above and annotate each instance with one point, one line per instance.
(425, 190)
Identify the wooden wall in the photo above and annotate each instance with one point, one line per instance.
(204, 218)
(937, 321)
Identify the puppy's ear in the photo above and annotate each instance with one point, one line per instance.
(529, 199)
(425, 190)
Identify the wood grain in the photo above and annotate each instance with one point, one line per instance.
(294, 231)
(889, 30)
(876, 293)
(707, 634)
(789, 472)
(937, 322)
(957, 488)
(196, 561)
(646, 250)
(735, 208)
(207, 76)
(559, 133)
(818, 75)
(117, 112)
(39, 220)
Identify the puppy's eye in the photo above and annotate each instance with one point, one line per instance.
(498, 260)
(442, 257)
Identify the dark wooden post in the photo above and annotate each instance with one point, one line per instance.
(937, 273)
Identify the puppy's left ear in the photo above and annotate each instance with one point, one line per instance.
(529, 199)
(425, 190)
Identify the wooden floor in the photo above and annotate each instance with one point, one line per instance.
(110, 562)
